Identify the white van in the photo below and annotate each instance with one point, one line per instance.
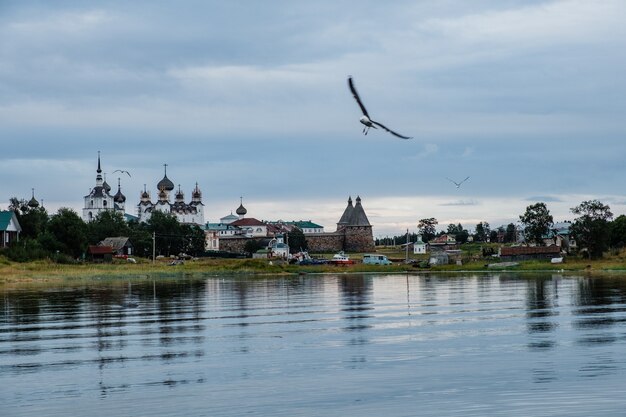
(369, 259)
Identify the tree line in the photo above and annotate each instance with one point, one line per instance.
(594, 230)
(65, 237)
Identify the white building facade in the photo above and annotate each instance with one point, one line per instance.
(189, 213)
(100, 200)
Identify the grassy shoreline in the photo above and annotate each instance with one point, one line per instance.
(47, 271)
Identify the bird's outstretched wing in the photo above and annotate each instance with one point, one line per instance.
(466, 178)
(356, 96)
(391, 131)
(453, 182)
(121, 170)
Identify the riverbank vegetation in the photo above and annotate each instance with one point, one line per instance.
(50, 271)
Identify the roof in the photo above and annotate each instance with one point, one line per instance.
(218, 226)
(529, 250)
(358, 217)
(443, 239)
(251, 221)
(165, 184)
(229, 219)
(116, 243)
(130, 217)
(100, 250)
(6, 219)
(347, 213)
(307, 224)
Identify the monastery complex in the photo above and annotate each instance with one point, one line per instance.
(353, 234)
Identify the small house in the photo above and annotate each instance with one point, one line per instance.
(100, 253)
(443, 242)
(279, 248)
(419, 247)
(10, 228)
(521, 253)
(121, 245)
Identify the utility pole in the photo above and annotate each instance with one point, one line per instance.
(407, 246)
(153, 247)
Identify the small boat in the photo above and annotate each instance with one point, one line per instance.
(341, 259)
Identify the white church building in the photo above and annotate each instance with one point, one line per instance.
(190, 213)
(100, 199)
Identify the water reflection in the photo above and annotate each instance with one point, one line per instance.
(312, 345)
(541, 310)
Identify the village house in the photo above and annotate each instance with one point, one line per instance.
(419, 247)
(523, 253)
(561, 236)
(10, 228)
(121, 246)
(443, 242)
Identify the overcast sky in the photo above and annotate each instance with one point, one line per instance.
(250, 99)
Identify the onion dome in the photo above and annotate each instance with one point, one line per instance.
(241, 210)
(165, 183)
(196, 194)
(33, 203)
(180, 197)
(119, 197)
(106, 186)
(145, 195)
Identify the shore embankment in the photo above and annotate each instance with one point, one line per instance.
(48, 271)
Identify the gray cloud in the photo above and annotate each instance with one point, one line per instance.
(251, 99)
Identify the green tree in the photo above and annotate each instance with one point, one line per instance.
(453, 229)
(462, 236)
(482, 232)
(67, 232)
(32, 220)
(426, 228)
(537, 221)
(296, 241)
(252, 246)
(194, 240)
(591, 229)
(107, 224)
(170, 239)
(510, 235)
(618, 232)
(141, 238)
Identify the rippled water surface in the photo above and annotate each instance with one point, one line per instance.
(328, 345)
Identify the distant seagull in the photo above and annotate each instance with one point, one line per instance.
(365, 119)
(122, 171)
(458, 184)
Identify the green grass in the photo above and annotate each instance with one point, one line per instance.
(47, 271)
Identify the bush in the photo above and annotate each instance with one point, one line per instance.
(25, 251)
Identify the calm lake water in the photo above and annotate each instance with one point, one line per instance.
(327, 345)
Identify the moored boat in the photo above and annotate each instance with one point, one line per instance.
(341, 259)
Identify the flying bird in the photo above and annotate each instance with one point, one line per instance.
(458, 184)
(121, 170)
(365, 119)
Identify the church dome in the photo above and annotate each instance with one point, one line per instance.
(106, 186)
(119, 197)
(165, 184)
(33, 203)
(241, 210)
(180, 197)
